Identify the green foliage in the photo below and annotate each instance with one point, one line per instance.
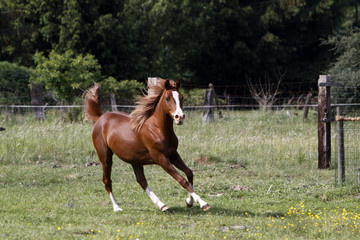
(127, 90)
(14, 84)
(214, 41)
(193, 96)
(228, 40)
(346, 68)
(16, 33)
(67, 75)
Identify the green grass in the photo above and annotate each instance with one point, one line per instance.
(258, 171)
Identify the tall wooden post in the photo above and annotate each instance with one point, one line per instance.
(211, 86)
(306, 109)
(341, 148)
(113, 102)
(324, 121)
(36, 100)
(151, 82)
(208, 114)
(227, 97)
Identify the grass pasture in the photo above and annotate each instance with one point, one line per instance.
(258, 171)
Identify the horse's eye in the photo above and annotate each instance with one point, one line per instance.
(167, 99)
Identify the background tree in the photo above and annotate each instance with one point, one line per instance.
(222, 42)
(346, 68)
(15, 34)
(14, 84)
(67, 75)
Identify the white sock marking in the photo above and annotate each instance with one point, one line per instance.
(198, 199)
(190, 199)
(154, 198)
(113, 201)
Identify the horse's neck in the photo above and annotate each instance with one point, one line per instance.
(162, 120)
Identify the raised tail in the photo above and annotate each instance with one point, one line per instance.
(92, 106)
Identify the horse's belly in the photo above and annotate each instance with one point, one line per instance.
(133, 154)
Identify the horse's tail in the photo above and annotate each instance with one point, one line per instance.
(92, 106)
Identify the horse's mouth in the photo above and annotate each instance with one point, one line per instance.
(179, 122)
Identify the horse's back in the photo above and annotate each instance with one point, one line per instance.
(113, 130)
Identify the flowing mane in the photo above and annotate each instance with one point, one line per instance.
(146, 104)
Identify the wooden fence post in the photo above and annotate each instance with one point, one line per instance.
(216, 99)
(340, 147)
(306, 108)
(324, 120)
(227, 97)
(208, 114)
(324, 127)
(113, 102)
(152, 81)
(36, 100)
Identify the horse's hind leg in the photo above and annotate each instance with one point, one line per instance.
(105, 156)
(140, 178)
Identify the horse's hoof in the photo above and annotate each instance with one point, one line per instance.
(188, 205)
(164, 208)
(205, 207)
(117, 209)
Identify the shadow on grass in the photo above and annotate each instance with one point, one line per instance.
(219, 211)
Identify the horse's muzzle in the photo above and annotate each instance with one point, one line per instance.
(179, 119)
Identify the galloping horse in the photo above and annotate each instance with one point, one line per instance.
(146, 136)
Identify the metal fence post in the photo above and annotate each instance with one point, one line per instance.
(340, 147)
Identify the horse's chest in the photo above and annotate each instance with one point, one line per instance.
(163, 143)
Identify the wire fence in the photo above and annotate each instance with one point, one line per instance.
(75, 112)
(346, 153)
(290, 106)
(347, 150)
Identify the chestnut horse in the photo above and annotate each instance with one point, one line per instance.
(146, 136)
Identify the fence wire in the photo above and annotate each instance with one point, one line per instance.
(350, 146)
(287, 139)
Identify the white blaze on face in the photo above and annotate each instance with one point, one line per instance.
(178, 114)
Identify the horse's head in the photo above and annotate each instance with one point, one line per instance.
(174, 101)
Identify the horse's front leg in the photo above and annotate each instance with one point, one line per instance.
(179, 163)
(166, 164)
(140, 178)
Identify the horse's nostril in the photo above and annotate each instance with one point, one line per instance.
(176, 116)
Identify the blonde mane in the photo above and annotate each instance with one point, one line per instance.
(146, 104)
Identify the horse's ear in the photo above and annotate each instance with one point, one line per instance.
(167, 84)
(178, 84)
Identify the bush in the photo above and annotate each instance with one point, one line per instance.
(125, 90)
(67, 75)
(193, 97)
(14, 84)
